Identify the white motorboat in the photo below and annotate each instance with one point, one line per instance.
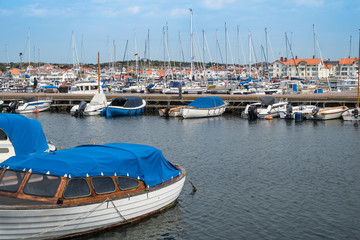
(289, 112)
(266, 107)
(29, 105)
(351, 114)
(326, 113)
(96, 105)
(84, 189)
(204, 107)
(86, 88)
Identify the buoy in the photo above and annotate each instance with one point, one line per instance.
(268, 117)
(37, 111)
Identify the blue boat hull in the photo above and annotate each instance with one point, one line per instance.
(116, 111)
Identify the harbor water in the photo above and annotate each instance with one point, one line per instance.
(255, 179)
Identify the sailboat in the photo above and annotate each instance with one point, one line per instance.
(97, 103)
(353, 114)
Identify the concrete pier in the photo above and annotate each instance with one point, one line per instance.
(64, 101)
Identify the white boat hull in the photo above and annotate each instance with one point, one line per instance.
(188, 112)
(296, 109)
(326, 113)
(31, 107)
(349, 115)
(59, 221)
(89, 110)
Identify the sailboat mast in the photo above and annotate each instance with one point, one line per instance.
(226, 66)
(99, 72)
(148, 46)
(136, 59)
(317, 72)
(29, 47)
(349, 57)
(358, 74)
(250, 54)
(203, 35)
(191, 46)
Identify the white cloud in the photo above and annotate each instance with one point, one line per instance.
(180, 12)
(310, 3)
(216, 4)
(5, 12)
(133, 10)
(110, 13)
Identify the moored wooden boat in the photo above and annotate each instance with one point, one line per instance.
(170, 111)
(88, 188)
(326, 113)
(204, 107)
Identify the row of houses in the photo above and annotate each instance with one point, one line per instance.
(308, 68)
(311, 68)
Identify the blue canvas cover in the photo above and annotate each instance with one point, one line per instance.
(206, 102)
(25, 134)
(127, 102)
(123, 159)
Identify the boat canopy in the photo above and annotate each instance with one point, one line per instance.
(25, 134)
(206, 102)
(129, 101)
(267, 100)
(121, 159)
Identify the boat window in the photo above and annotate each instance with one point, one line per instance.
(3, 135)
(77, 187)
(11, 180)
(42, 185)
(103, 185)
(126, 183)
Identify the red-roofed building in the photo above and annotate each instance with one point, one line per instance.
(305, 68)
(348, 67)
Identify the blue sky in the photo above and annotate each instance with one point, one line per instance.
(98, 23)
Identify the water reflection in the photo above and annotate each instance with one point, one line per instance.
(164, 225)
(256, 179)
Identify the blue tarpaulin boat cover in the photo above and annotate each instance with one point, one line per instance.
(207, 102)
(123, 159)
(25, 134)
(49, 86)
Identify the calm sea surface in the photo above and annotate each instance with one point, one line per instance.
(255, 180)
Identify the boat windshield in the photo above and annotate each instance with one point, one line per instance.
(42, 185)
(11, 180)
